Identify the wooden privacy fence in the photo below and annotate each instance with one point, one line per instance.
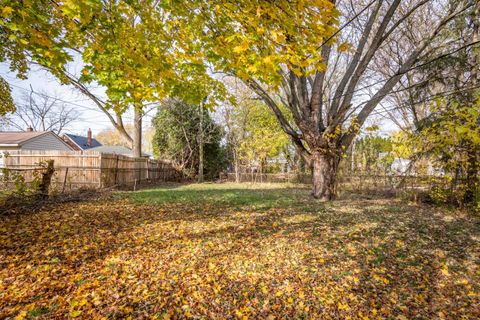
(75, 169)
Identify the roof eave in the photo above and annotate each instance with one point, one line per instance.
(73, 141)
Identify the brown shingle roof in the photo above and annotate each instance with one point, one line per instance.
(15, 138)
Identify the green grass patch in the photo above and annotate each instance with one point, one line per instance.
(258, 196)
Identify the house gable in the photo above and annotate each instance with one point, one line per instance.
(46, 141)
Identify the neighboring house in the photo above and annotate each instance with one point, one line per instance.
(121, 150)
(80, 143)
(30, 140)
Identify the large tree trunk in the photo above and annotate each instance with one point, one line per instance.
(137, 133)
(324, 169)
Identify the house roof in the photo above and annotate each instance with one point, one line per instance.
(117, 150)
(82, 142)
(17, 138)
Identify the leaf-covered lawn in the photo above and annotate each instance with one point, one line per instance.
(233, 251)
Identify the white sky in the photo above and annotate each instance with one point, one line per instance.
(89, 115)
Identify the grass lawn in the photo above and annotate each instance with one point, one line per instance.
(240, 252)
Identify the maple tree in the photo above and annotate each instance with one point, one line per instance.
(286, 52)
(134, 51)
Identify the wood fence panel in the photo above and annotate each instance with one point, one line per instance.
(75, 169)
(83, 168)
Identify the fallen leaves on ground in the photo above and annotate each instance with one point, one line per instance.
(353, 259)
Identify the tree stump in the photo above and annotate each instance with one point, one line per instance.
(44, 185)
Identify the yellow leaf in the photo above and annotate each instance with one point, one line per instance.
(22, 315)
(301, 295)
(6, 11)
(278, 36)
(343, 306)
(75, 313)
(244, 45)
(445, 271)
(345, 46)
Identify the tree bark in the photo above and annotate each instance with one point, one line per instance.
(137, 133)
(237, 167)
(43, 187)
(324, 169)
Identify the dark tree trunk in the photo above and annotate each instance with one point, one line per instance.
(324, 169)
(42, 191)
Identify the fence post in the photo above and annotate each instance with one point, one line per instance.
(65, 180)
(116, 172)
(146, 162)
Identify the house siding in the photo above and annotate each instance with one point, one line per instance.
(47, 141)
